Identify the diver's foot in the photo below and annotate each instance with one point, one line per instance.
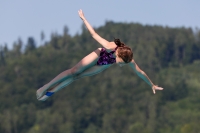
(43, 98)
(46, 96)
(40, 92)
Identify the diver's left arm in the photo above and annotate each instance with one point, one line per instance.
(143, 75)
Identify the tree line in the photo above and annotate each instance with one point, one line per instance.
(114, 101)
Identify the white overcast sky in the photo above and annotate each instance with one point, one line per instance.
(28, 18)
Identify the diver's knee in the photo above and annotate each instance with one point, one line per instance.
(74, 73)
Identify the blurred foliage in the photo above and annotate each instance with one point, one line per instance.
(114, 101)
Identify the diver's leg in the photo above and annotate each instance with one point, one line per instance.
(87, 62)
(89, 72)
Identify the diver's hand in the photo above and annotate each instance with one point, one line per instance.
(155, 87)
(81, 14)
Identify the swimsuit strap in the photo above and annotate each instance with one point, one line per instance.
(112, 52)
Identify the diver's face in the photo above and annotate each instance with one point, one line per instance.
(119, 61)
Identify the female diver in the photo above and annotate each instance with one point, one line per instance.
(94, 63)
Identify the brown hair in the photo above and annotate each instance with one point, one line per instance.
(124, 51)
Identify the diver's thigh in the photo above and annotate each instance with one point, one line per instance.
(87, 62)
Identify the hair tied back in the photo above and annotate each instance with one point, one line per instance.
(118, 43)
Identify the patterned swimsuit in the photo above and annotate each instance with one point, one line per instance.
(106, 58)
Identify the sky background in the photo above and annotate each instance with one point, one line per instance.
(28, 18)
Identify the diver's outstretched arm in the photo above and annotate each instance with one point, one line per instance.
(143, 75)
(106, 44)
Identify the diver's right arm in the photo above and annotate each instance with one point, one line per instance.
(106, 44)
